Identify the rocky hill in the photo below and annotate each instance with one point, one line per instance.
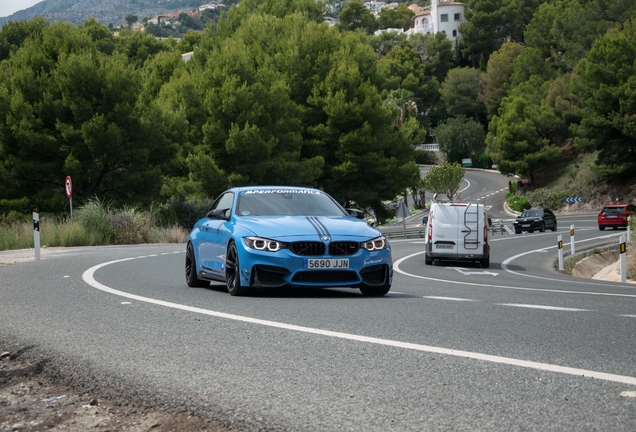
(104, 11)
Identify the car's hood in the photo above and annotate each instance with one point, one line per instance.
(308, 227)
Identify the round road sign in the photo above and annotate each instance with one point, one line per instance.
(68, 185)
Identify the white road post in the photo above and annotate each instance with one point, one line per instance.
(623, 249)
(572, 248)
(36, 235)
(560, 245)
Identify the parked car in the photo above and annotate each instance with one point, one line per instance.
(273, 236)
(615, 215)
(535, 219)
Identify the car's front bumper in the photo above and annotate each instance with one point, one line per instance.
(283, 268)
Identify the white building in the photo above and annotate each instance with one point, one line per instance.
(443, 16)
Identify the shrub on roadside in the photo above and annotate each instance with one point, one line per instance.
(517, 203)
(543, 197)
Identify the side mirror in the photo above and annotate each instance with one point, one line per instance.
(425, 220)
(218, 214)
(358, 214)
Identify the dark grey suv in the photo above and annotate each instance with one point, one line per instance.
(535, 219)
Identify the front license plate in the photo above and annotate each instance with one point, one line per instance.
(443, 246)
(525, 226)
(341, 263)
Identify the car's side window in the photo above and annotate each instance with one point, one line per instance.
(223, 202)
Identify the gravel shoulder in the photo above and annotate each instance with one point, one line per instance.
(34, 398)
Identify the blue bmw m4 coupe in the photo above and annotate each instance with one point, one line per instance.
(273, 236)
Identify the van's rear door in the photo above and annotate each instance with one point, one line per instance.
(470, 223)
(446, 226)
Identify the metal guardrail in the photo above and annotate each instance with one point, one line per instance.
(495, 228)
(409, 233)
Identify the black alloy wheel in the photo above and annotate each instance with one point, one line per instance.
(232, 272)
(191, 269)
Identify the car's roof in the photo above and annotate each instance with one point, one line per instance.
(615, 205)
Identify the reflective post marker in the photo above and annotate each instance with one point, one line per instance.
(36, 235)
(572, 239)
(623, 249)
(560, 245)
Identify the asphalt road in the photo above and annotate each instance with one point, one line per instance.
(518, 346)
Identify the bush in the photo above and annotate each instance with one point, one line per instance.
(423, 157)
(184, 212)
(482, 161)
(552, 199)
(517, 203)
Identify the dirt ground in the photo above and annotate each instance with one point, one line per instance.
(31, 401)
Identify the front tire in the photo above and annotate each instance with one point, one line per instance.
(232, 272)
(191, 269)
(542, 227)
(374, 291)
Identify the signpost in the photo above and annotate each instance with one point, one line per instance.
(623, 251)
(403, 212)
(36, 235)
(68, 187)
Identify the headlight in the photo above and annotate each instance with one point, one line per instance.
(263, 244)
(376, 244)
(516, 222)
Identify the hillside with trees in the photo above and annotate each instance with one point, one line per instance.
(274, 95)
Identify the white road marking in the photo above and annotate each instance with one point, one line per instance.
(543, 307)
(504, 265)
(88, 277)
(467, 272)
(396, 267)
(448, 298)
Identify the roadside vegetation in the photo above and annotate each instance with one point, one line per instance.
(95, 223)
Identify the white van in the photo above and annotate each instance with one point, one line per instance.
(457, 231)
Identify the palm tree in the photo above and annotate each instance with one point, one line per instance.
(403, 102)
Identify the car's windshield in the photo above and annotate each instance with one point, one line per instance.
(532, 213)
(286, 202)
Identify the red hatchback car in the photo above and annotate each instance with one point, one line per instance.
(615, 215)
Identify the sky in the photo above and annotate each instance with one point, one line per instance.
(7, 7)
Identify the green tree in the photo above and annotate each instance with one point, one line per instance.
(131, 19)
(607, 83)
(518, 139)
(488, 24)
(403, 69)
(460, 92)
(495, 83)
(400, 17)
(355, 16)
(445, 179)
(460, 137)
(14, 33)
(69, 109)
